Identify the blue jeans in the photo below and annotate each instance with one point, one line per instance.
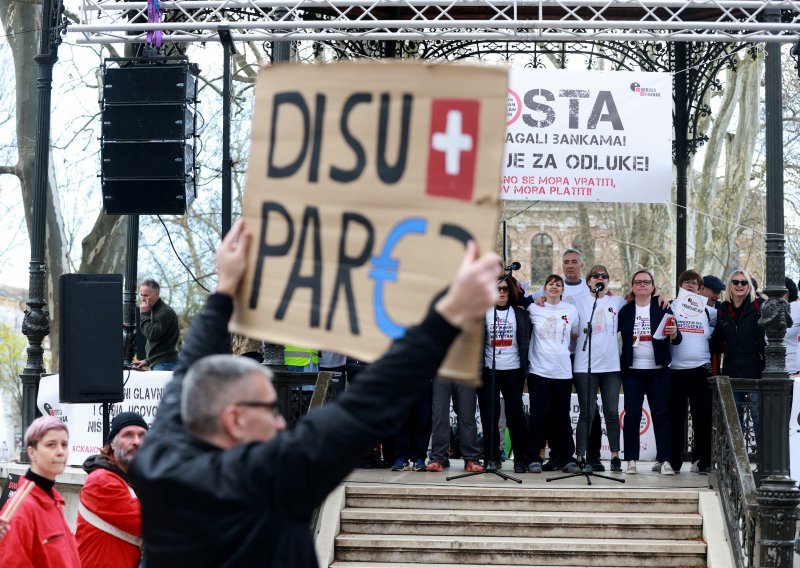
(655, 384)
(164, 366)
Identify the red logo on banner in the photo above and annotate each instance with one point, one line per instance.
(453, 148)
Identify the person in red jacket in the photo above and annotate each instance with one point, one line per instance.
(38, 534)
(109, 515)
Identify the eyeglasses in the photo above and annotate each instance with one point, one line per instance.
(271, 406)
(740, 282)
(642, 282)
(691, 282)
(599, 275)
(502, 289)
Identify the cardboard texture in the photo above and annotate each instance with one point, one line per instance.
(364, 181)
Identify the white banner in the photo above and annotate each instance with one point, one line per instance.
(85, 421)
(588, 136)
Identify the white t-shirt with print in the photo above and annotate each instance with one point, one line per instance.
(605, 346)
(553, 325)
(643, 355)
(501, 339)
(693, 350)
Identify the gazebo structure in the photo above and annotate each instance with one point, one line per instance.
(690, 38)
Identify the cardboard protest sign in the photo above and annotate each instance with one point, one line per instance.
(364, 182)
(575, 135)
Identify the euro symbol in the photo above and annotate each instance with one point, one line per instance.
(385, 269)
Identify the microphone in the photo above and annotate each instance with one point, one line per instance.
(514, 266)
(599, 287)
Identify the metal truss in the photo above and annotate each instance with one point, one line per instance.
(113, 21)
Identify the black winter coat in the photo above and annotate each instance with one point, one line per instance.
(742, 343)
(251, 505)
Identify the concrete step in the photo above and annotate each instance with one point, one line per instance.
(338, 564)
(517, 551)
(455, 497)
(521, 524)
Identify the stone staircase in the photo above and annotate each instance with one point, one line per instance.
(448, 526)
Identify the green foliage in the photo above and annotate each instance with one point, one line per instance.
(12, 361)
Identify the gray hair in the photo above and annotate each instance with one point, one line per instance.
(211, 384)
(151, 284)
(573, 251)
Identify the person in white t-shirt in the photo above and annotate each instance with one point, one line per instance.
(505, 366)
(689, 373)
(605, 375)
(792, 333)
(644, 363)
(575, 289)
(550, 375)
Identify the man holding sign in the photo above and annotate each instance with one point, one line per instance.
(220, 480)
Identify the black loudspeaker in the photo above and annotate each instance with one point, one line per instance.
(90, 338)
(148, 126)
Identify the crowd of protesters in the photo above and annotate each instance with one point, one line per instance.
(574, 335)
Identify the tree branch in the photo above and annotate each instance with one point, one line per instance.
(10, 170)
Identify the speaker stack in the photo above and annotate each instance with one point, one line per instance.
(90, 324)
(147, 144)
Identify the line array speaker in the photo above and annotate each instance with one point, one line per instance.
(148, 128)
(90, 338)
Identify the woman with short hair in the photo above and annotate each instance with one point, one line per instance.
(645, 363)
(689, 373)
(39, 535)
(554, 323)
(604, 363)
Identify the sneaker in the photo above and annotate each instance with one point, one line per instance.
(535, 467)
(400, 465)
(571, 467)
(434, 466)
(596, 464)
(419, 465)
(656, 466)
(616, 465)
(473, 466)
(586, 467)
(631, 467)
(520, 468)
(666, 469)
(552, 465)
(695, 467)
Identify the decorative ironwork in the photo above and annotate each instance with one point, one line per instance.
(733, 475)
(296, 391)
(726, 21)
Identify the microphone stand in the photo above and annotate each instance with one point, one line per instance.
(491, 465)
(586, 470)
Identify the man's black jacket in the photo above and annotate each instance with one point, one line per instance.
(251, 505)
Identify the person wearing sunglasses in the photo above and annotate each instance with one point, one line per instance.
(221, 480)
(604, 363)
(507, 334)
(645, 361)
(689, 373)
(741, 343)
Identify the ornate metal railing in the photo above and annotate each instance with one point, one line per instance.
(736, 484)
(298, 393)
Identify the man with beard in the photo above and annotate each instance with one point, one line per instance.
(109, 515)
